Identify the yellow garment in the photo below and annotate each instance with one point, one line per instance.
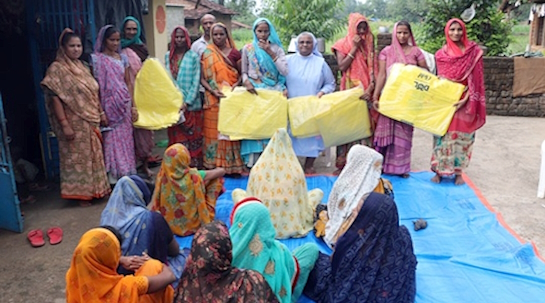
(246, 116)
(340, 116)
(156, 96)
(151, 268)
(92, 276)
(419, 98)
(278, 180)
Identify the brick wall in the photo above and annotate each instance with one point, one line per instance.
(498, 79)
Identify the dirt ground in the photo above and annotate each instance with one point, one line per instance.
(505, 167)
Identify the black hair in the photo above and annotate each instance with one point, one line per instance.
(407, 24)
(109, 32)
(67, 37)
(115, 231)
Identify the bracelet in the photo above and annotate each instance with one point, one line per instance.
(102, 113)
(351, 56)
(275, 58)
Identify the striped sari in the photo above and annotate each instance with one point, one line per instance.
(218, 69)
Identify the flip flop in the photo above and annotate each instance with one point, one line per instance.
(55, 235)
(36, 237)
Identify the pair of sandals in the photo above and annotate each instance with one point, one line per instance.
(36, 236)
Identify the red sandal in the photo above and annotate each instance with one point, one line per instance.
(55, 235)
(36, 237)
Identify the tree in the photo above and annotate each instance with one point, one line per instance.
(408, 10)
(244, 8)
(488, 27)
(375, 9)
(292, 17)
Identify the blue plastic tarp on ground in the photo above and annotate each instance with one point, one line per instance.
(464, 255)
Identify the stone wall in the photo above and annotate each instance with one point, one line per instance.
(498, 80)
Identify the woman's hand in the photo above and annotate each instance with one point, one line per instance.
(104, 120)
(250, 87)
(285, 93)
(68, 132)
(320, 94)
(375, 101)
(266, 46)
(217, 93)
(134, 114)
(462, 102)
(356, 41)
(133, 263)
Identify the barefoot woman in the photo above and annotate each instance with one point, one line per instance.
(460, 60)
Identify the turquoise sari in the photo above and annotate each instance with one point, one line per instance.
(255, 247)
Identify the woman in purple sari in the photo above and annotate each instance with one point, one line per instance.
(110, 68)
(393, 139)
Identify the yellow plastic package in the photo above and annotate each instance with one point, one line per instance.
(346, 119)
(419, 98)
(156, 96)
(302, 112)
(246, 116)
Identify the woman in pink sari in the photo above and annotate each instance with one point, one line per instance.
(111, 69)
(355, 55)
(136, 51)
(393, 139)
(460, 60)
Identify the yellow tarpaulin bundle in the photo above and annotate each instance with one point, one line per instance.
(246, 116)
(157, 98)
(419, 98)
(346, 119)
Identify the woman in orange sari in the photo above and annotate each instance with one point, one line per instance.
(93, 278)
(355, 55)
(185, 196)
(220, 65)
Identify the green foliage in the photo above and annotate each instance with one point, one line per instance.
(291, 17)
(244, 8)
(408, 10)
(488, 28)
(242, 37)
(377, 9)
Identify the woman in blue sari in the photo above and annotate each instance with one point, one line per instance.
(309, 75)
(372, 262)
(145, 233)
(264, 66)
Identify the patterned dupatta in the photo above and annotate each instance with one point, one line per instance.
(465, 67)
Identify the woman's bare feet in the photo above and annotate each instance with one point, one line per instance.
(405, 175)
(337, 172)
(85, 203)
(310, 171)
(436, 179)
(459, 180)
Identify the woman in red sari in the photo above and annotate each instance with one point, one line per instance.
(460, 60)
(355, 55)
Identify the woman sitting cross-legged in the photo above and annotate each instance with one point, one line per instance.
(210, 277)
(146, 233)
(255, 247)
(92, 276)
(185, 196)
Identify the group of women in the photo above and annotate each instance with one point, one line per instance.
(92, 111)
(372, 256)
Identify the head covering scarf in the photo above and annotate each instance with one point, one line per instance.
(210, 277)
(126, 210)
(100, 43)
(271, 75)
(278, 180)
(92, 275)
(363, 64)
(180, 193)
(75, 86)
(358, 178)
(255, 248)
(136, 39)
(230, 40)
(397, 49)
(173, 58)
(314, 44)
(372, 262)
(465, 67)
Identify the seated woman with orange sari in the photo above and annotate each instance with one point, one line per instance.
(92, 276)
(185, 196)
(220, 66)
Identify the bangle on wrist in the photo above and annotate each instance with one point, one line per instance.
(351, 56)
(102, 113)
